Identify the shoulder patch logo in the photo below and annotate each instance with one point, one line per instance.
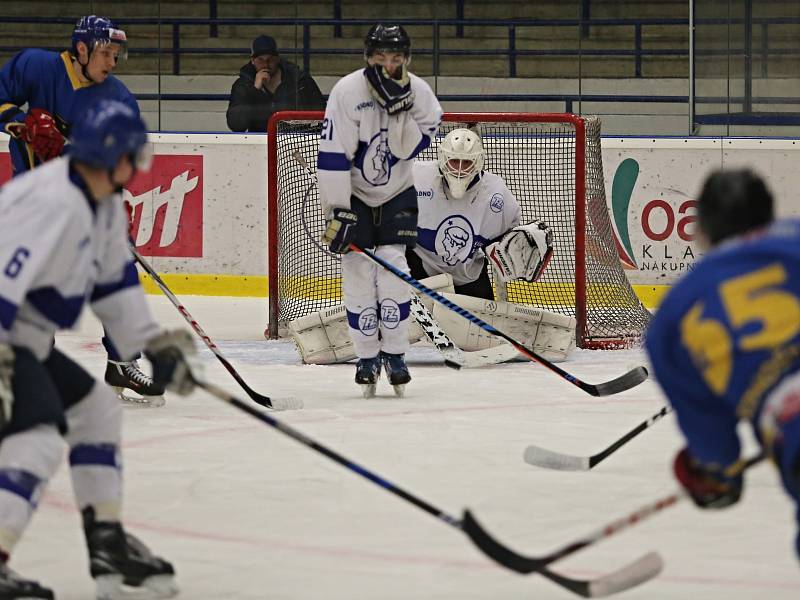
(497, 202)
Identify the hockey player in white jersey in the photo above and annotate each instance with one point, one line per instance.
(376, 121)
(63, 245)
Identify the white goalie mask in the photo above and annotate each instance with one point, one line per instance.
(461, 158)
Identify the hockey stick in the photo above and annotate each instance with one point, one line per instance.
(542, 457)
(269, 402)
(635, 517)
(629, 576)
(453, 355)
(624, 382)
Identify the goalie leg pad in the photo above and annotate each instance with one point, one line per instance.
(548, 334)
(322, 338)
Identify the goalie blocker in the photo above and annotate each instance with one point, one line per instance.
(322, 337)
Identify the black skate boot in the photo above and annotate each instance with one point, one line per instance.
(14, 587)
(122, 566)
(124, 376)
(368, 370)
(396, 371)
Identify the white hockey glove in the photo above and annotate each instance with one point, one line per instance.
(174, 359)
(523, 253)
(6, 391)
(394, 95)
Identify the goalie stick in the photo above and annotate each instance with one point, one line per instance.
(641, 570)
(266, 401)
(453, 355)
(542, 457)
(624, 382)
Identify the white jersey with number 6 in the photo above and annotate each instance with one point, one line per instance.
(60, 250)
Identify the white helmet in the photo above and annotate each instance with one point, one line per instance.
(461, 157)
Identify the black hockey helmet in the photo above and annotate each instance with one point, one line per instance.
(387, 37)
(733, 202)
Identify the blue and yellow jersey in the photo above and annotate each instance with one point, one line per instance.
(726, 335)
(48, 80)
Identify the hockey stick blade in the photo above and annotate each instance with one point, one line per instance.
(547, 459)
(460, 359)
(636, 573)
(624, 382)
(265, 401)
(631, 575)
(542, 457)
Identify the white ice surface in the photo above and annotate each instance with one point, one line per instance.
(244, 512)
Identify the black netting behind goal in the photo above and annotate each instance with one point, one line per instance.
(539, 163)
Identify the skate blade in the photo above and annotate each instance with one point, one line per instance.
(157, 587)
(129, 399)
(399, 390)
(368, 389)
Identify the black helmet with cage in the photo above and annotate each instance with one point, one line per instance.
(391, 38)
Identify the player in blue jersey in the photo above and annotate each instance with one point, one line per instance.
(63, 246)
(725, 343)
(57, 87)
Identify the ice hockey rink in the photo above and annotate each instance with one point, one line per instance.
(245, 512)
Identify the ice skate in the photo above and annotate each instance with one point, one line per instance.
(122, 566)
(368, 370)
(125, 377)
(396, 371)
(14, 587)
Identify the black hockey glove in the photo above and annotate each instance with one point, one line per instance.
(707, 488)
(173, 356)
(341, 231)
(394, 95)
(6, 375)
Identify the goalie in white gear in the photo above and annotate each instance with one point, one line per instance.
(465, 214)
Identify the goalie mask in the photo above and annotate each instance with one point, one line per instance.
(461, 158)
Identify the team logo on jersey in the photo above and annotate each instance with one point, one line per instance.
(368, 321)
(496, 203)
(376, 164)
(167, 204)
(390, 313)
(454, 240)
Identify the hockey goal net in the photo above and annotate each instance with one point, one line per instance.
(552, 164)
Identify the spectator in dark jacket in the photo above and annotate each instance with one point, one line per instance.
(268, 84)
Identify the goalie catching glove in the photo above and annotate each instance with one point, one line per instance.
(394, 95)
(174, 360)
(523, 252)
(40, 131)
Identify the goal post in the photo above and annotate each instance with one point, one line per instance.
(552, 164)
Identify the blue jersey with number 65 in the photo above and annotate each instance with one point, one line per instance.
(726, 335)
